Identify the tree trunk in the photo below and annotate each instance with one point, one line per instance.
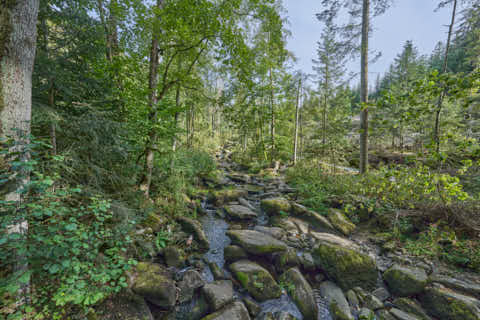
(272, 115)
(152, 103)
(18, 33)
(364, 88)
(295, 141)
(175, 124)
(436, 133)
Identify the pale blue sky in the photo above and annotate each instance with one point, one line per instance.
(405, 20)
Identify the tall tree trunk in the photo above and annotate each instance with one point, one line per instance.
(18, 33)
(272, 115)
(175, 124)
(295, 139)
(364, 88)
(436, 133)
(152, 103)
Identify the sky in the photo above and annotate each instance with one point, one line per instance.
(406, 20)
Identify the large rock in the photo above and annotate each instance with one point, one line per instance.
(339, 308)
(221, 197)
(366, 314)
(402, 315)
(384, 315)
(194, 227)
(467, 286)
(154, 284)
(301, 293)
(173, 257)
(233, 311)
(275, 206)
(411, 306)
(239, 212)
(286, 260)
(277, 233)
(191, 281)
(444, 303)
(234, 253)
(347, 266)
(255, 242)
(125, 305)
(340, 221)
(314, 219)
(218, 294)
(405, 281)
(256, 280)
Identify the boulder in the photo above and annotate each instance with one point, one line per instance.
(411, 306)
(240, 212)
(336, 300)
(253, 308)
(194, 227)
(405, 281)
(444, 303)
(402, 315)
(275, 206)
(218, 294)
(234, 253)
(154, 284)
(467, 286)
(384, 315)
(352, 299)
(340, 221)
(277, 233)
(256, 280)
(255, 242)
(372, 302)
(286, 259)
(381, 293)
(219, 197)
(233, 311)
(301, 292)
(191, 281)
(173, 257)
(347, 266)
(366, 314)
(124, 305)
(217, 272)
(314, 219)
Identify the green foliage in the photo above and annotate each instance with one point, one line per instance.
(162, 239)
(74, 249)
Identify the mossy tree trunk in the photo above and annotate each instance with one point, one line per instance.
(18, 33)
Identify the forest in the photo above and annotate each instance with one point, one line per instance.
(168, 159)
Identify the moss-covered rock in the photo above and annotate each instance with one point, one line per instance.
(256, 280)
(218, 294)
(286, 260)
(233, 311)
(348, 267)
(239, 212)
(255, 242)
(125, 305)
(402, 315)
(339, 308)
(301, 293)
(411, 306)
(405, 281)
(154, 284)
(366, 314)
(340, 221)
(384, 315)
(155, 221)
(174, 256)
(316, 221)
(234, 253)
(274, 206)
(194, 227)
(447, 304)
(220, 197)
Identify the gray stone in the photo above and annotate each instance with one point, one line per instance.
(316, 220)
(444, 303)
(218, 273)
(411, 306)
(253, 308)
(337, 302)
(401, 315)
(218, 294)
(405, 281)
(240, 212)
(194, 227)
(340, 222)
(155, 285)
(307, 262)
(233, 311)
(256, 280)
(384, 315)
(277, 233)
(191, 281)
(301, 293)
(234, 253)
(381, 293)
(372, 302)
(255, 242)
(352, 299)
(468, 287)
(366, 314)
(275, 206)
(125, 305)
(286, 260)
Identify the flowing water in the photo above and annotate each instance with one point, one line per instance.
(215, 229)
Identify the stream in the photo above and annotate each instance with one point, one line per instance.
(215, 228)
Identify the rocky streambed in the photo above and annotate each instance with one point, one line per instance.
(268, 257)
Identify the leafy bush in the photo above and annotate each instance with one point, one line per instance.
(74, 250)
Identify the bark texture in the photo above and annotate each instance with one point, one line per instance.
(364, 88)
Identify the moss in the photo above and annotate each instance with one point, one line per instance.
(338, 262)
(340, 221)
(337, 312)
(405, 281)
(446, 304)
(275, 206)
